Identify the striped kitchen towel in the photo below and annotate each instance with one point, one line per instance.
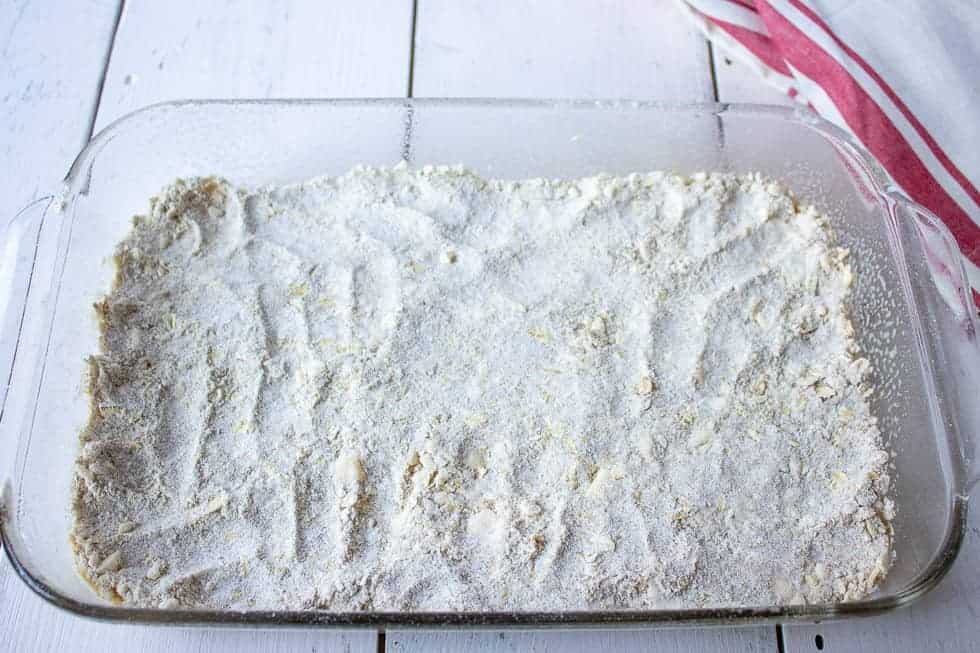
(902, 76)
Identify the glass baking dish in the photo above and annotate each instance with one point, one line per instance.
(911, 305)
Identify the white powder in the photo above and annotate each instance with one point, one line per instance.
(416, 389)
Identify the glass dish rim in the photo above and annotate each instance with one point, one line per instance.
(926, 580)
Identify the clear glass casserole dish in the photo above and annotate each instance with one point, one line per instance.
(911, 305)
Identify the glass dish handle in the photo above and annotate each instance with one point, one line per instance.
(19, 241)
(965, 364)
(956, 319)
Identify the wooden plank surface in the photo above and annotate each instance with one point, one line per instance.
(62, 632)
(738, 83)
(586, 641)
(50, 65)
(551, 48)
(185, 49)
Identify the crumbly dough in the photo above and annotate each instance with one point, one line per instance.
(418, 389)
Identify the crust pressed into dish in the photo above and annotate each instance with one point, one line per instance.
(419, 389)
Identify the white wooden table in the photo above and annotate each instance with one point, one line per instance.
(70, 68)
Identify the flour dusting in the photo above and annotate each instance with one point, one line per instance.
(418, 389)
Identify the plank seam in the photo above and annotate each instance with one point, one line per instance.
(711, 69)
(105, 71)
(411, 48)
